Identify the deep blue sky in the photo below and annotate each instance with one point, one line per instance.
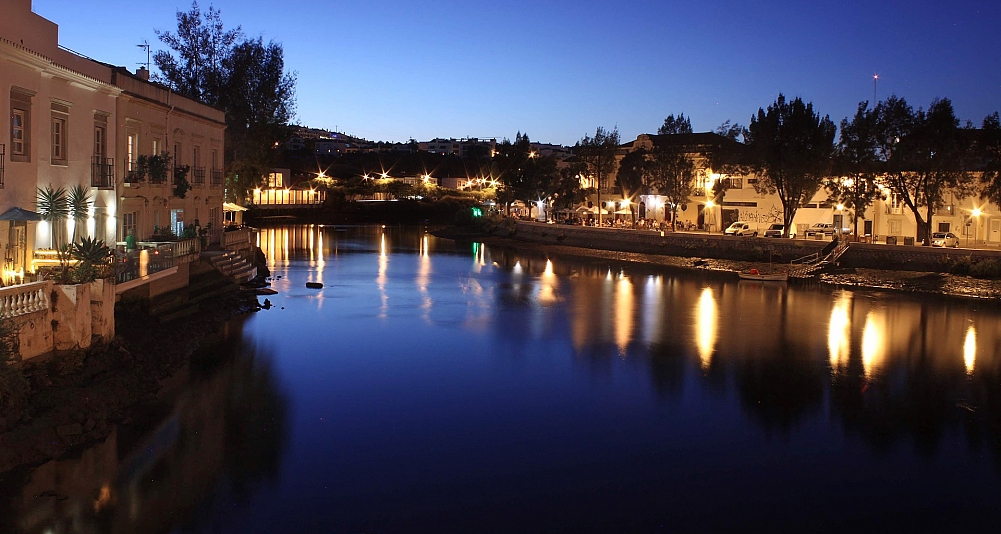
(391, 69)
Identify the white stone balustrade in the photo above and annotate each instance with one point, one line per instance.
(24, 299)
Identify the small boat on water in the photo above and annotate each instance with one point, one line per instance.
(764, 277)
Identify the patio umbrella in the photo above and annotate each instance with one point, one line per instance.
(18, 214)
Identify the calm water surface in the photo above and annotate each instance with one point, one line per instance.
(441, 387)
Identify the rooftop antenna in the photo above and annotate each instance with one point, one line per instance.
(145, 46)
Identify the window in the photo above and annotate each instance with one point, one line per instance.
(275, 180)
(944, 227)
(18, 132)
(131, 149)
(20, 124)
(156, 147)
(100, 136)
(129, 225)
(894, 228)
(58, 140)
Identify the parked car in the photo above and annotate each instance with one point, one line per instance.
(775, 230)
(816, 229)
(944, 239)
(741, 228)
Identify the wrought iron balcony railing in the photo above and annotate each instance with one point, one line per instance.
(216, 177)
(3, 154)
(102, 172)
(198, 176)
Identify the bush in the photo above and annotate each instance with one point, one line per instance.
(986, 268)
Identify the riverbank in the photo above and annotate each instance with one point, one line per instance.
(911, 281)
(75, 397)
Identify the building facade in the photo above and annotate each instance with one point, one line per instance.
(74, 121)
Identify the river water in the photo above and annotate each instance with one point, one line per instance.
(431, 386)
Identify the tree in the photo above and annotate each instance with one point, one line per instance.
(597, 154)
(989, 150)
(792, 146)
(79, 203)
(244, 77)
(732, 132)
(925, 157)
(525, 175)
(53, 206)
(568, 191)
(630, 178)
(259, 101)
(672, 125)
(856, 164)
(672, 173)
(202, 46)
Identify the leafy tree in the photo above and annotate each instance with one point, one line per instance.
(244, 77)
(672, 173)
(568, 191)
(732, 131)
(672, 125)
(926, 157)
(989, 149)
(792, 146)
(630, 178)
(856, 163)
(259, 102)
(526, 175)
(202, 47)
(597, 154)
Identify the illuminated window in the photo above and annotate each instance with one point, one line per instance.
(18, 128)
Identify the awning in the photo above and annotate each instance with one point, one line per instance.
(227, 206)
(18, 214)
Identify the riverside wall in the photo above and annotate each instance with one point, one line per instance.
(716, 246)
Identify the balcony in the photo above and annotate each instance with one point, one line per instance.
(102, 172)
(198, 176)
(216, 177)
(132, 174)
(179, 170)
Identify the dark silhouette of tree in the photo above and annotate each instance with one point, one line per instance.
(672, 172)
(856, 164)
(244, 78)
(672, 125)
(630, 178)
(597, 154)
(925, 157)
(792, 146)
(201, 47)
(526, 175)
(989, 150)
(733, 132)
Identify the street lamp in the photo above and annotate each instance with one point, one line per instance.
(976, 228)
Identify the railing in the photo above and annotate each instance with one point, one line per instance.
(150, 257)
(238, 238)
(132, 173)
(3, 153)
(890, 210)
(24, 299)
(102, 172)
(198, 176)
(216, 177)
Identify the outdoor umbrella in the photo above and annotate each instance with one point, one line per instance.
(18, 214)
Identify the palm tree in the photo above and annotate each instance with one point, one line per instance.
(54, 208)
(79, 203)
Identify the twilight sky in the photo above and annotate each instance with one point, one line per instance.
(393, 69)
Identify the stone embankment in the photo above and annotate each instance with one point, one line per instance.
(75, 396)
(893, 267)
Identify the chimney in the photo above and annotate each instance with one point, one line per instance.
(142, 74)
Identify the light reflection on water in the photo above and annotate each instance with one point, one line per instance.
(462, 385)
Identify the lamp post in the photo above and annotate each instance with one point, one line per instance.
(976, 225)
(709, 207)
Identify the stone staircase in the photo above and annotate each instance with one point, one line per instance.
(234, 266)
